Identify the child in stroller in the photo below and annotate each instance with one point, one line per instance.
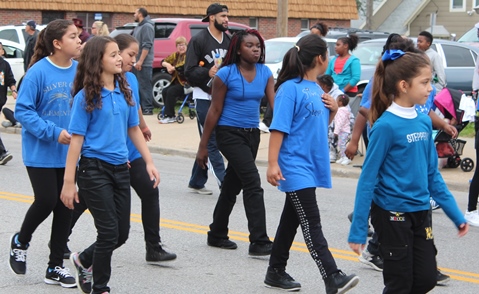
(449, 103)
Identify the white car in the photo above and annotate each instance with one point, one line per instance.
(276, 48)
(16, 33)
(14, 56)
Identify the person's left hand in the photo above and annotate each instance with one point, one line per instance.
(358, 248)
(330, 102)
(450, 130)
(14, 95)
(138, 65)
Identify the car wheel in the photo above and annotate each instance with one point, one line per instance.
(160, 81)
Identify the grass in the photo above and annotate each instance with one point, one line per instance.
(468, 131)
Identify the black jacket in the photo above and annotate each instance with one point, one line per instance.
(6, 80)
(29, 47)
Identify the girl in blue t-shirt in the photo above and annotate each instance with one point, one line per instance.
(298, 162)
(104, 115)
(400, 175)
(238, 87)
(43, 109)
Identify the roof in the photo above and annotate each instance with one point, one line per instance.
(311, 9)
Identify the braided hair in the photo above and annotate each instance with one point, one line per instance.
(232, 57)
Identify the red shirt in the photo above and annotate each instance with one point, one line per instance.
(338, 68)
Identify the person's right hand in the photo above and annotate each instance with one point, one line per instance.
(273, 174)
(202, 157)
(351, 150)
(213, 71)
(463, 229)
(69, 195)
(358, 248)
(171, 69)
(64, 138)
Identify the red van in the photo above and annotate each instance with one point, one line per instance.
(166, 32)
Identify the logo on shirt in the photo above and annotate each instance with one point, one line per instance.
(310, 95)
(416, 137)
(397, 216)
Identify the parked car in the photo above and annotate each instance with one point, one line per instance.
(363, 35)
(16, 33)
(459, 61)
(14, 56)
(470, 38)
(166, 32)
(276, 48)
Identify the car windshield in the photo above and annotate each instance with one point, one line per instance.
(470, 36)
(275, 51)
(368, 53)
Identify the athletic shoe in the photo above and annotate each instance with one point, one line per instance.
(278, 278)
(6, 124)
(442, 279)
(472, 218)
(374, 261)
(6, 157)
(340, 161)
(156, 254)
(223, 244)
(83, 276)
(332, 157)
(18, 255)
(168, 120)
(60, 276)
(263, 127)
(339, 283)
(346, 161)
(434, 204)
(18, 125)
(260, 249)
(202, 191)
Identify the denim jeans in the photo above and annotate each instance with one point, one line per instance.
(199, 176)
(301, 209)
(240, 147)
(105, 188)
(144, 77)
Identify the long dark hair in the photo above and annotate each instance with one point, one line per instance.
(300, 58)
(89, 70)
(391, 72)
(55, 30)
(232, 56)
(124, 41)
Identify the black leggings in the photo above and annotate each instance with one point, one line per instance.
(474, 187)
(47, 185)
(170, 96)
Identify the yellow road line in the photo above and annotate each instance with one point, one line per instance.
(459, 275)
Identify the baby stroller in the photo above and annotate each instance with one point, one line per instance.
(447, 102)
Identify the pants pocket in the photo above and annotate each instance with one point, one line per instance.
(393, 252)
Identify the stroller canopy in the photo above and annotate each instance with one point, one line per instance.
(448, 101)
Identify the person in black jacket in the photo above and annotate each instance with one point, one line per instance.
(30, 29)
(203, 58)
(6, 80)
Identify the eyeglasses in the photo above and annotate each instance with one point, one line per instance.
(181, 45)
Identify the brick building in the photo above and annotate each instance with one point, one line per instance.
(257, 14)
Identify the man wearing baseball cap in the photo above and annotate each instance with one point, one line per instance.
(82, 34)
(30, 29)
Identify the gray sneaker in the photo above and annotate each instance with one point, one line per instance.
(6, 157)
(202, 191)
(6, 124)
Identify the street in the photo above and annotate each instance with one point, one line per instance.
(185, 217)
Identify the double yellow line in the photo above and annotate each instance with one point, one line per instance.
(241, 236)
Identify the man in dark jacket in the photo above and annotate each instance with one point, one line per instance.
(144, 33)
(203, 50)
(30, 29)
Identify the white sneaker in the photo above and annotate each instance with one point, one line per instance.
(6, 124)
(472, 218)
(346, 161)
(340, 161)
(168, 120)
(332, 157)
(263, 127)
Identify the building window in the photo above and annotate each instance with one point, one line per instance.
(253, 23)
(304, 24)
(89, 18)
(48, 16)
(476, 3)
(458, 5)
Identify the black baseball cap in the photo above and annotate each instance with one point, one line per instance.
(214, 9)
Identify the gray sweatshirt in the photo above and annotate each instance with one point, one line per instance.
(144, 33)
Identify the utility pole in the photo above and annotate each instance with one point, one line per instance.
(369, 14)
(282, 19)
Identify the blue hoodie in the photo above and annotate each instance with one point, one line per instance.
(350, 74)
(43, 109)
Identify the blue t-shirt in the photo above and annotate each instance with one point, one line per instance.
(300, 114)
(242, 100)
(366, 100)
(43, 109)
(133, 153)
(401, 171)
(105, 130)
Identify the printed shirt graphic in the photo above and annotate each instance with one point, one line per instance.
(304, 155)
(43, 109)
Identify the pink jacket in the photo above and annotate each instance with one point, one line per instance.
(341, 121)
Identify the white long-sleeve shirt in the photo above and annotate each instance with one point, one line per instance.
(437, 68)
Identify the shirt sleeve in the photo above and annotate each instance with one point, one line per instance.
(284, 105)
(355, 72)
(440, 73)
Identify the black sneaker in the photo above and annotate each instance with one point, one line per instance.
(260, 249)
(83, 276)
(442, 279)
(60, 276)
(18, 255)
(223, 244)
(278, 278)
(6, 157)
(156, 253)
(339, 283)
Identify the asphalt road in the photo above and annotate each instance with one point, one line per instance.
(201, 269)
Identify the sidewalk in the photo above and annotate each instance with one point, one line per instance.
(182, 139)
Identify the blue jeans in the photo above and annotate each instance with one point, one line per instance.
(199, 176)
(106, 191)
(145, 87)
